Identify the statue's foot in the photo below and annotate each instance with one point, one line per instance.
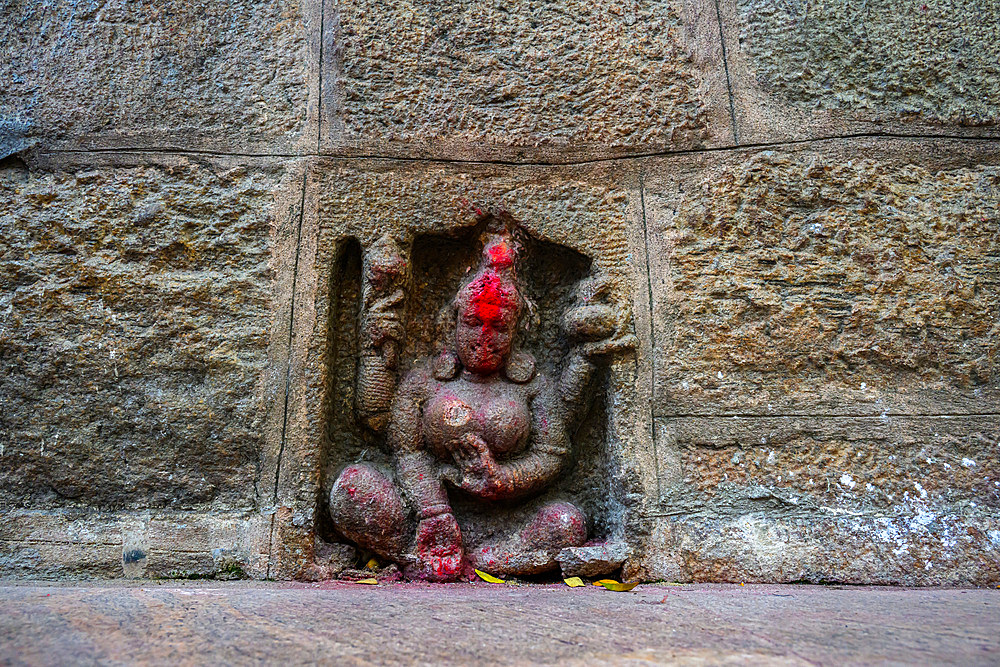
(534, 550)
(367, 508)
(439, 553)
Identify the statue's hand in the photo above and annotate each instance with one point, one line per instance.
(384, 325)
(593, 324)
(477, 471)
(469, 450)
(439, 548)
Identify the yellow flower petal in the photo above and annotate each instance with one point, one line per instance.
(574, 582)
(489, 577)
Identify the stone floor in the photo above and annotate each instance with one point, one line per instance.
(179, 623)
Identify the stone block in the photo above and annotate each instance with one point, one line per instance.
(592, 560)
(804, 69)
(522, 80)
(791, 465)
(135, 332)
(154, 544)
(819, 282)
(209, 75)
(912, 550)
(825, 339)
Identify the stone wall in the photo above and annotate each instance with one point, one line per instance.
(801, 200)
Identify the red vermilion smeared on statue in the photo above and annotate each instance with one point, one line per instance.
(491, 299)
(501, 256)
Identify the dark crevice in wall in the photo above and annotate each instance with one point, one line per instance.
(343, 437)
(541, 163)
(13, 163)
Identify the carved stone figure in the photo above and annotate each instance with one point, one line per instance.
(480, 420)
(385, 274)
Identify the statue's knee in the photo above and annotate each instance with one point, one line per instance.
(559, 525)
(366, 507)
(361, 485)
(352, 481)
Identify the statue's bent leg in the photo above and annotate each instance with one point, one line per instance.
(535, 548)
(368, 509)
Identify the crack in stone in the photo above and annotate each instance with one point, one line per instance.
(288, 370)
(319, 113)
(652, 330)
(725, 66)
(541, 163)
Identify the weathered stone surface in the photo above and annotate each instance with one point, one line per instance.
(216, 74)
(930, 59)
(812, 281)
(134, 332)
(901, 500)
(826, 379)
(836, 464)
(520, 78)
(813, 395)
(594, 560)
(921, 549)
(804, 68)
(417, 624)
(153, 544)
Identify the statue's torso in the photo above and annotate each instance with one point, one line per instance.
(497, 411)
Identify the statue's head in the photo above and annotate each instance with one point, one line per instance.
(488, 308)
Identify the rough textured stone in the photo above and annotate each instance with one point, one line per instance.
(153, 544)
(813, 394)
(811, 281)
(839, 464)
(461, 75)
(134, 328)
(924, 60)
(484, 624)
(826, 379)
(922, 549)
(594, 560)
(900, 500)
(107, 72)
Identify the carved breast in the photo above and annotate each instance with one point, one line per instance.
(497, 413)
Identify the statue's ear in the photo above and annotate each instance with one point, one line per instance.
(445, 366)
(520, 367)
